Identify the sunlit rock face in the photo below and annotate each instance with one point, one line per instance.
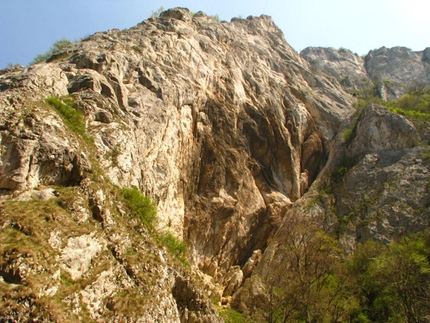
(386, 72)
(223, 125)
(347, 67)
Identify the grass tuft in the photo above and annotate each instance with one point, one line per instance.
(140, 204)
(66, 107)
(230, 315)
(174, 246)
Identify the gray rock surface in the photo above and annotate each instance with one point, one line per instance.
(391, 71)
(397, 70)
(348, 68)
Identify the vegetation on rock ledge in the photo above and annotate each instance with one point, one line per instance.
(146, 210)
(56, 47)
(66, 107)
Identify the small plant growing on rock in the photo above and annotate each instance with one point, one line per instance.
(146, 210)
(345, 165)
(72, 117)
(216, 17)
(136, 49)
(55, 48)
(174, 246)
(157, 13)
(347, 134)
(140, 204)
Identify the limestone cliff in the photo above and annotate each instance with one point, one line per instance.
(389, 72)
(224, 126)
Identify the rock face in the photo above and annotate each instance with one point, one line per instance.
(348, 68)
(391, 71)
(223, 125)
(399, 69)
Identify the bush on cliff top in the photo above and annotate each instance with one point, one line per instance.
(56, 47)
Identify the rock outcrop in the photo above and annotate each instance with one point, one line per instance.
(348, 68)
(391, 72)
(225, 127)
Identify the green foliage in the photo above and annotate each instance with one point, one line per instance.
(141, 205)
(174, 246)
(314, 282)
(216, 17)
(137, 49)
(146, 210)
(72, 117)
(346, 164)
(230, 315)
(394, 281)
(310, 283)
(412, 113)
(414, 105)
(347, 133)
(157, 13)
(367, 95)
(341, 171)
(55, 48)
(387, 82)
(418, 100)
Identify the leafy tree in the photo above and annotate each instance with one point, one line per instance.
(309, 283)
(394, 280)
(418, 99)
(56, 47)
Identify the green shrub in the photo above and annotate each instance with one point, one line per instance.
(146, 210)
(174, 246)
(141, 205)
(216, 17)
(414, 105)
(72, 117)
(412, 113)
(387, 82)
(55, 48)
(418, 99)
(393, 280)
(347, 133)
(346, 164)
(157, 13)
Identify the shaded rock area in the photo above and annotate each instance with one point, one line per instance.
(228, 130)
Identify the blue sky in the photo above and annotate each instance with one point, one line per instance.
(30, 27)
